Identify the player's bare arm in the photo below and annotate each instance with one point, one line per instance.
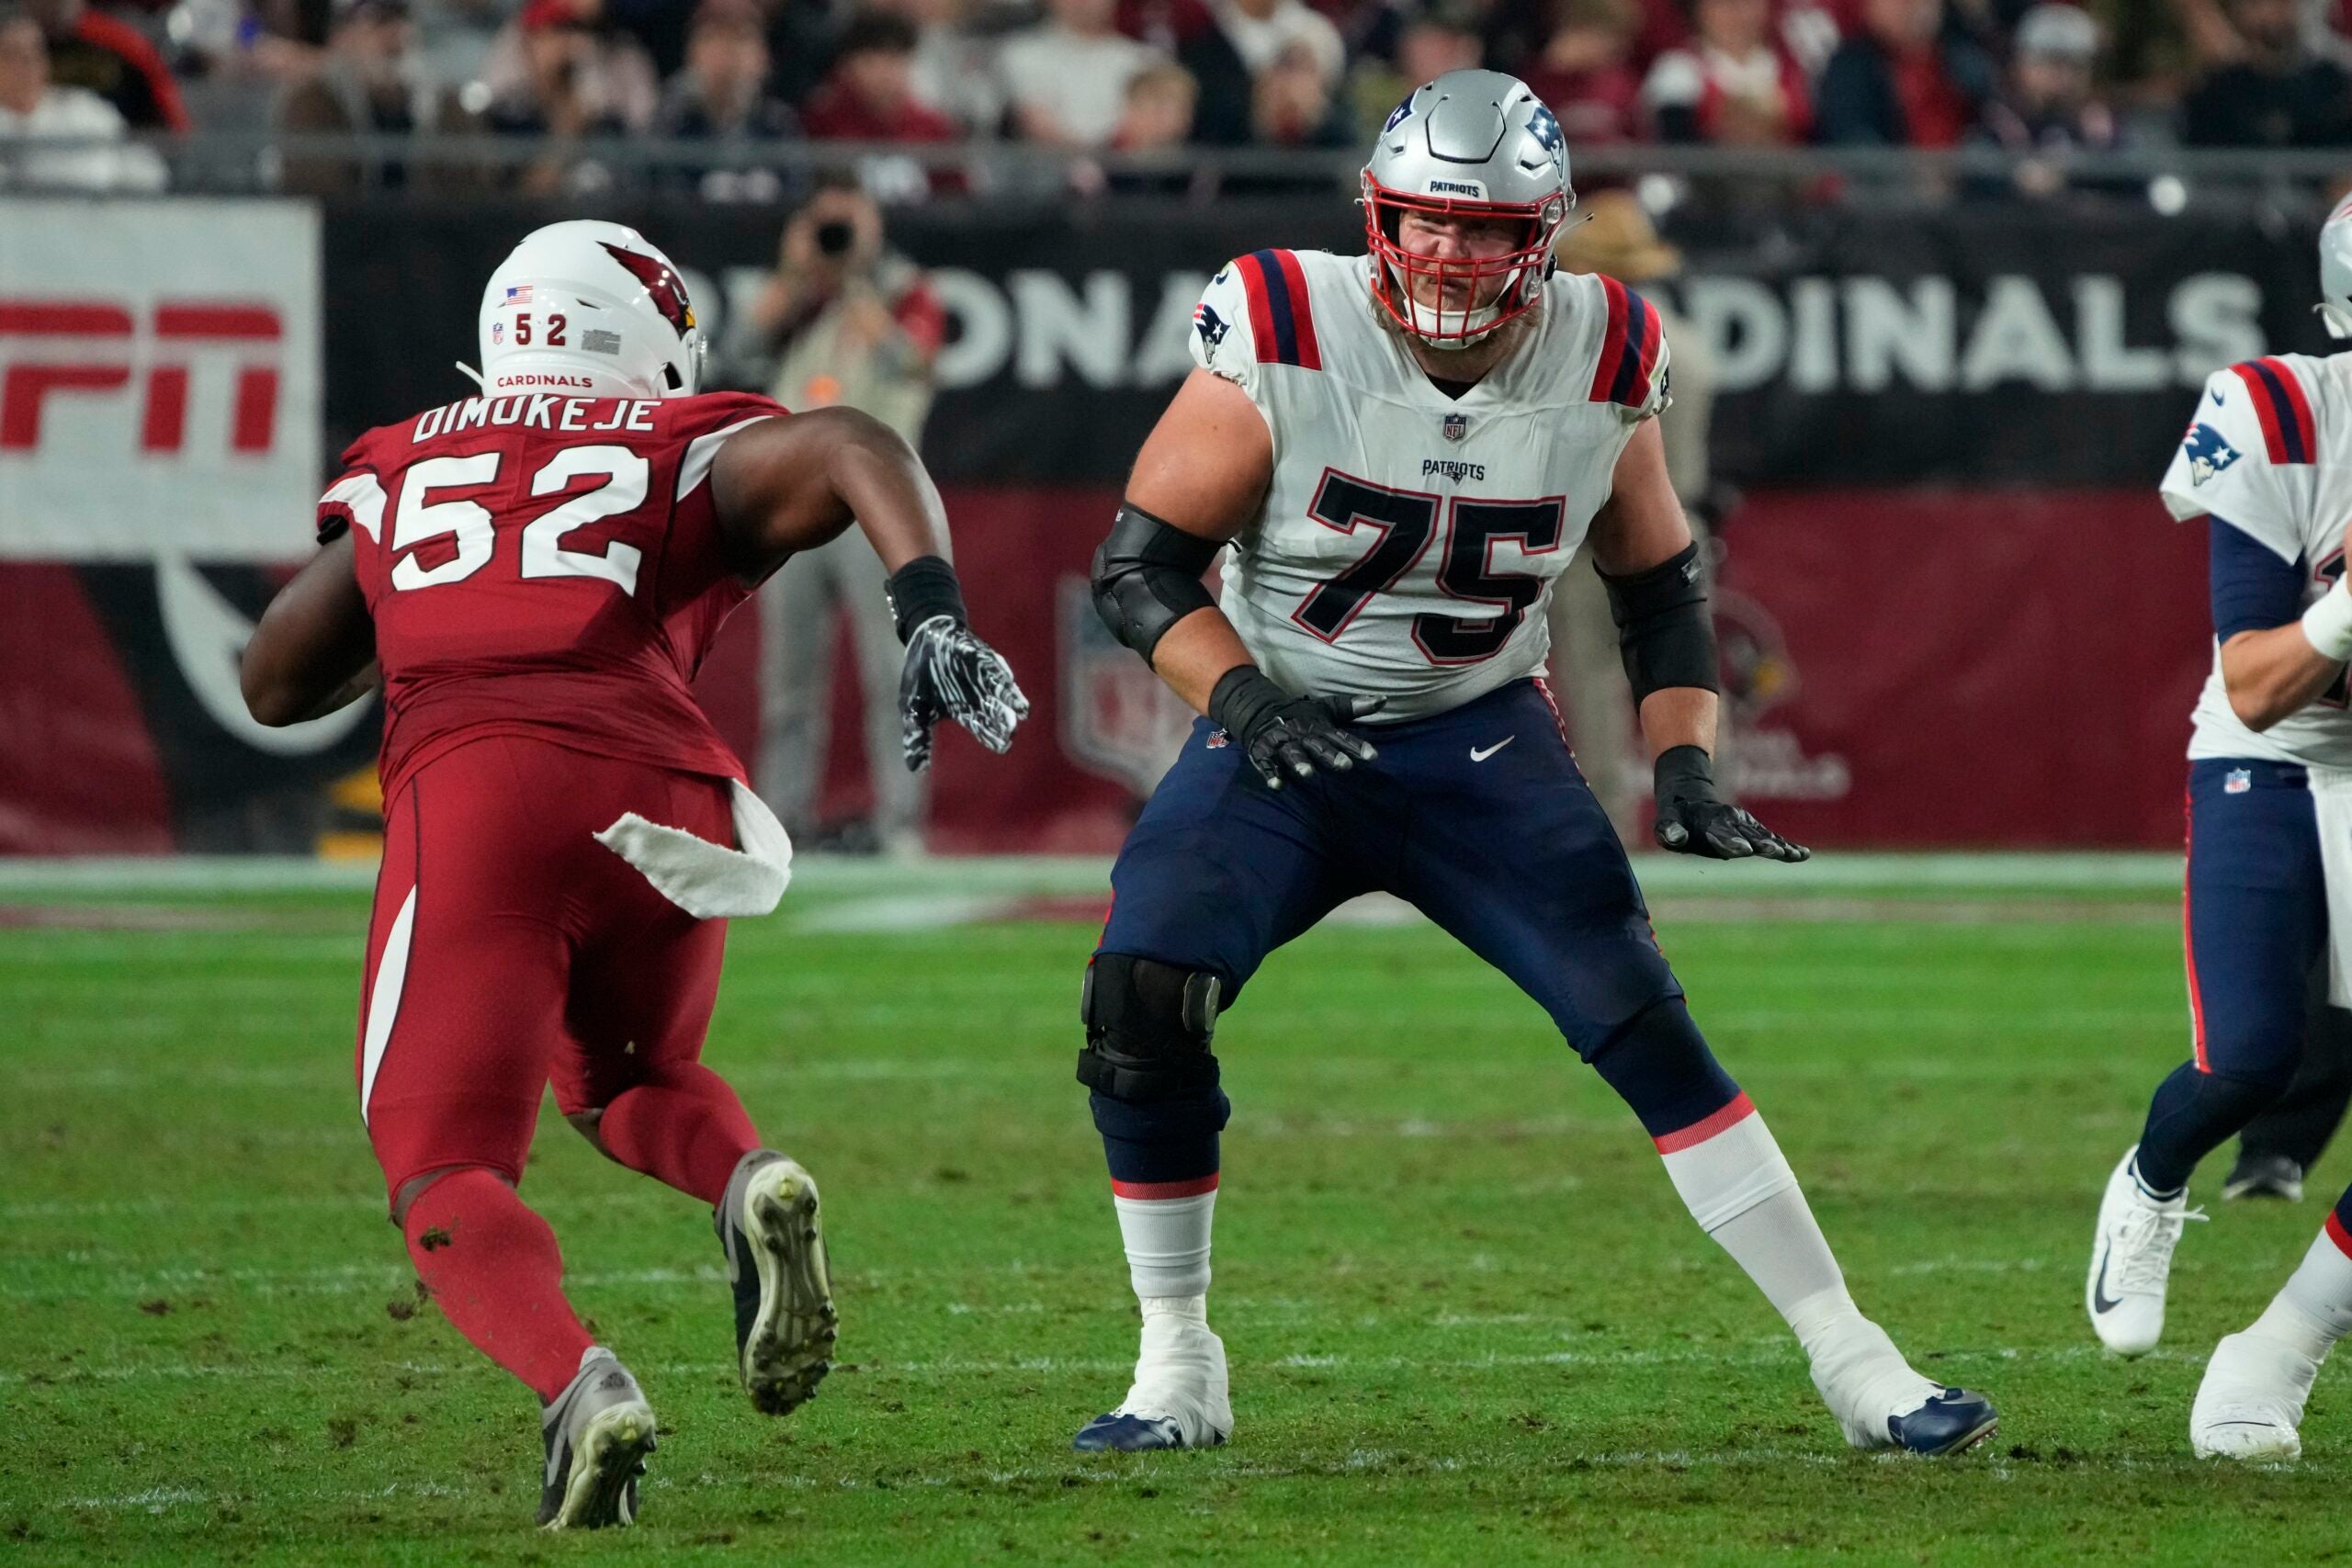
(1642, 543)
(1201, 475)
(314, 650)
(2273, 673)
(786, 485)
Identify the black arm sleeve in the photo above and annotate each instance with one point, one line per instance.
(924, 588)
(1147, 577)
(1662, 626)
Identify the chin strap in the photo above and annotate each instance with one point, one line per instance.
(474, 374)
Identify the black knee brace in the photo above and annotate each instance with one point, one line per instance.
(1149, 1025)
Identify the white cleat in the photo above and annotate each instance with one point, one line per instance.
(1181, 1398)
(1881, 1402)
(784, 1321)
(2132, 1261)
(598, 1433)
(2252, 1400)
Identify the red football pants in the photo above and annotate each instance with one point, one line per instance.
(508, 948)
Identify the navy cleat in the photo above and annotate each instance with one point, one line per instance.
(1120, 1433)
(1179, 1399)
(1951, 1422)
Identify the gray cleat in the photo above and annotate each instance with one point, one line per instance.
(598, 1432)
(784, 1321)
(2263, 1176)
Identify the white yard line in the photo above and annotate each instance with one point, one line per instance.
(1726, 1023)
(1211, 1468)
(23, 878)
(1761, 1353)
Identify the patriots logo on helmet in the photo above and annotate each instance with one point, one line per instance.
(1544, 126)
(1396, 115)
(668, 294)
(2208, 453)
(1209, 324)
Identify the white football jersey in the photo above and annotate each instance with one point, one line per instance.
(1409, 540)
(2269, 453)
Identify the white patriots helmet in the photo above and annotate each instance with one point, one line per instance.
(593, 309)
(2335, 271)
(1471, 143)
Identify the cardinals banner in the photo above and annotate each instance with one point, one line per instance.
(1953, 612)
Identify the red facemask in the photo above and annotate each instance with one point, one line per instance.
(1495, 289)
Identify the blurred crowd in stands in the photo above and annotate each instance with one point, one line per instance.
(1129, 75)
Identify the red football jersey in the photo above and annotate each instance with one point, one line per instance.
(545, 566)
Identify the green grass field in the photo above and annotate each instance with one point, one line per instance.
(1469, 1319)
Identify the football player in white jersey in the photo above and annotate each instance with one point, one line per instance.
(2269, 890)
(1403, 449)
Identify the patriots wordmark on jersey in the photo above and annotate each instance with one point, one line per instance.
(1409, 540)
(2269, 452)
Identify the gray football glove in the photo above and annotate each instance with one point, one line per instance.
(950, 674)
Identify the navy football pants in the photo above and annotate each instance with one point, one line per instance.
(2256, 923)
(1478, 818)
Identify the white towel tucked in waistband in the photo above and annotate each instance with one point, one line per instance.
(2332, 804)
(710, 881)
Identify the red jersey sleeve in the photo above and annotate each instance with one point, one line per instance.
(356, 499)
(698, 587)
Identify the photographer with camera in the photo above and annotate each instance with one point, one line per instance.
(854, 324)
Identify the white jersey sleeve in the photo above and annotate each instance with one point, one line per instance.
(2250, 457)
(1629, 350)
(1661, 398)
(1222, 342)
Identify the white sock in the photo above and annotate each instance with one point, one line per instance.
(1738, 1186)
(2314, 1309)
(1730, 1173)
(1168, 1243)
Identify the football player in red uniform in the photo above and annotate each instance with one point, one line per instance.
(538, 572)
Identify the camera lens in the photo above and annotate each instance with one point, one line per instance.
(834, 238)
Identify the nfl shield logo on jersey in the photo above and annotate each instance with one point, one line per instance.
(2237, 781)
(1456, 426)
(2208, 453)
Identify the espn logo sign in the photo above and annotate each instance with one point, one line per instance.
(160, 392)
(59, 349)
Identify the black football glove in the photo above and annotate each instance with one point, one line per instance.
(949, 672)
(1286, 737)
(1693, 820)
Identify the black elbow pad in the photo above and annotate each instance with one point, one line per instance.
(1147, 577)
(1663, 628)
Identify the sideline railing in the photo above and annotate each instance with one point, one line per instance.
(223, 161)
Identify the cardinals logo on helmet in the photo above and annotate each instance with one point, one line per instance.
(668, 294)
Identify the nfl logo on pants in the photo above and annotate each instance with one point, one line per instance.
(1456, 426)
